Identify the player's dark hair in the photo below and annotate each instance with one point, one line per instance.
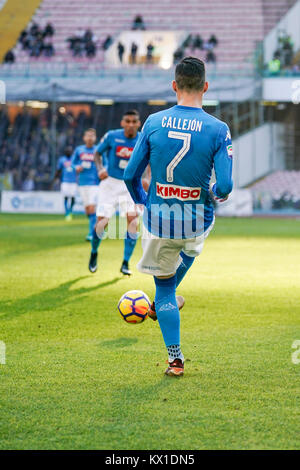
(190, 74)
(68, 151)
(132, 112)
(91, 129)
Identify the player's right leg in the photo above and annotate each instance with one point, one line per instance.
(169, 321)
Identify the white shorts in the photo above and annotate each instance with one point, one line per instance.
(114, 196)
(68, 189)
(161, 256)
(89, 195)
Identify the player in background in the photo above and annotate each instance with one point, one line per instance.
(113, 194)
(182, 144)
(88, 180)
(67, 175)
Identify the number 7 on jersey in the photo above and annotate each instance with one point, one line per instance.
(182, 152)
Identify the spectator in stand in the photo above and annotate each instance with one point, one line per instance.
(9, 57)
(49, 50)
(274, 66)
(36, 48)
(28, 182)
(34, 29)
(288, 51)
(90, 48)
(108, 41)
(211, 57)
(138, 23)
(134, 48)
(77, 49)
(121, 50)
(149, 57)
(188, 41)
(197, 42)
(178, 55)
(88, 36)
(49, 30)
(213, 40)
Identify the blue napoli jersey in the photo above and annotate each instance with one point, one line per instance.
(68, 173)
(118, 149)
(183, 145)
(84, 157)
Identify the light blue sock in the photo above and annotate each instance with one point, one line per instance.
(96, 240)
(167, 311)
(183, 268)
(92, 223)
(129, 245)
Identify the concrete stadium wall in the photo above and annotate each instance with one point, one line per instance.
(257, 153)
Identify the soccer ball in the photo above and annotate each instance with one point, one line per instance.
(133, 306)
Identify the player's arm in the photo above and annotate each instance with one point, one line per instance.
(75, 162)
(98, 156)
(223, 166)
(146, 178)
(136, 167)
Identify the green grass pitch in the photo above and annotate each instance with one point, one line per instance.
(78, 377)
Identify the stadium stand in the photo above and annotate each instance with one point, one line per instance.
(14, 17)
(279, 190)
(238, 25)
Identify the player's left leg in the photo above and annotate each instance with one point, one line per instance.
(98, 234)
(130, 241)
(192, 249)
(186, 263)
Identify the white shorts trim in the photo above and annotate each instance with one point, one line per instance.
(89, 195)
(114, 196)
(68, 189)
(161, 256)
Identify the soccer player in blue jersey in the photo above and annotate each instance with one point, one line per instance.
(182, 144)
(113, 194)
(68, 185)
(88, 181)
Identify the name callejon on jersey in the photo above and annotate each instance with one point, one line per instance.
(118, 150)
(182, 144)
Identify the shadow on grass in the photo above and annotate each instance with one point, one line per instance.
(49, 299)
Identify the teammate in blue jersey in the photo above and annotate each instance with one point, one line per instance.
(113, 194)
(182, 144)
(68, 187)
(88, 180)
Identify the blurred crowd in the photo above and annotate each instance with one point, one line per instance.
(193, 42)
(283, 56)
(37, 41)
(83, 43)
(26, 146)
